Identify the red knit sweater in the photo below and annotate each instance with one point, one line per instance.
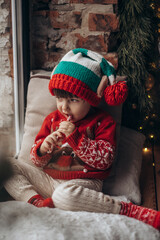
(91, 147)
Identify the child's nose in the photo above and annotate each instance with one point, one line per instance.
(65, 106)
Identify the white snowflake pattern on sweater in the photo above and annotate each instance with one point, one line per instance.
(39, 161)
(98, 154)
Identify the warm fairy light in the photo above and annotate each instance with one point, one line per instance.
(153, 65)
(149, 96)
(145, 149)
(151, 136)
(158, 15)
(141, 128)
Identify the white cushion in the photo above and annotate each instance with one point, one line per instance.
(128, 167)
(39, 104)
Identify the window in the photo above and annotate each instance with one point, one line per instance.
(21, 63)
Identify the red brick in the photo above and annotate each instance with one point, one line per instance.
(53, 16)
(78, 18)
(55, 57)
(43, 13)
(95, 1)
(95, 43)
(113, 58)
(103, 22)
(39, 44)
(65, 20)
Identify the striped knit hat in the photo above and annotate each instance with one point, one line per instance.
(80, 72)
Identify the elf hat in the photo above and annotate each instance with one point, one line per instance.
(80, 72)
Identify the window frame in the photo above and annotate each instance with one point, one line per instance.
(21, 63)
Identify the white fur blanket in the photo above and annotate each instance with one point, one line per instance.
(22, 221)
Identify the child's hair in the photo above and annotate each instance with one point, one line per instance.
(63, 94)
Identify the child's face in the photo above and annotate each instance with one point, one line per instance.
(73, 108)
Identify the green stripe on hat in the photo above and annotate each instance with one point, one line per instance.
(79, 72)
(107, 68)
(81, 50)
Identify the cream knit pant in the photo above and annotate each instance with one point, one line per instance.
(73, 195)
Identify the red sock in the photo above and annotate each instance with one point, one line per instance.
(146, 215)
(39, 201)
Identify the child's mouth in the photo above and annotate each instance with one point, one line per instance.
(69, 117)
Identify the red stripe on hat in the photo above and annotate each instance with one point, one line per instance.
(74, 86)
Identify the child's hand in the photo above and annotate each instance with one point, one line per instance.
(66, 127)
(50, 142)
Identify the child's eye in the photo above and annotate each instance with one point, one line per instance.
(74, 100)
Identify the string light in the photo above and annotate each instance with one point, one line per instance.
(153, 65)
(152, 6)
(149, 125)
(145, 149)
(151, 136)
(152, 121)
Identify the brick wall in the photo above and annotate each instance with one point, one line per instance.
(6, 81)
(58, 26)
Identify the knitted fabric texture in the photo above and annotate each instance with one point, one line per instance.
(39, 201)
(146, 215)
(80, 72)
(92, 158)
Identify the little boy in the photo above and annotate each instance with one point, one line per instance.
(75, 147)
